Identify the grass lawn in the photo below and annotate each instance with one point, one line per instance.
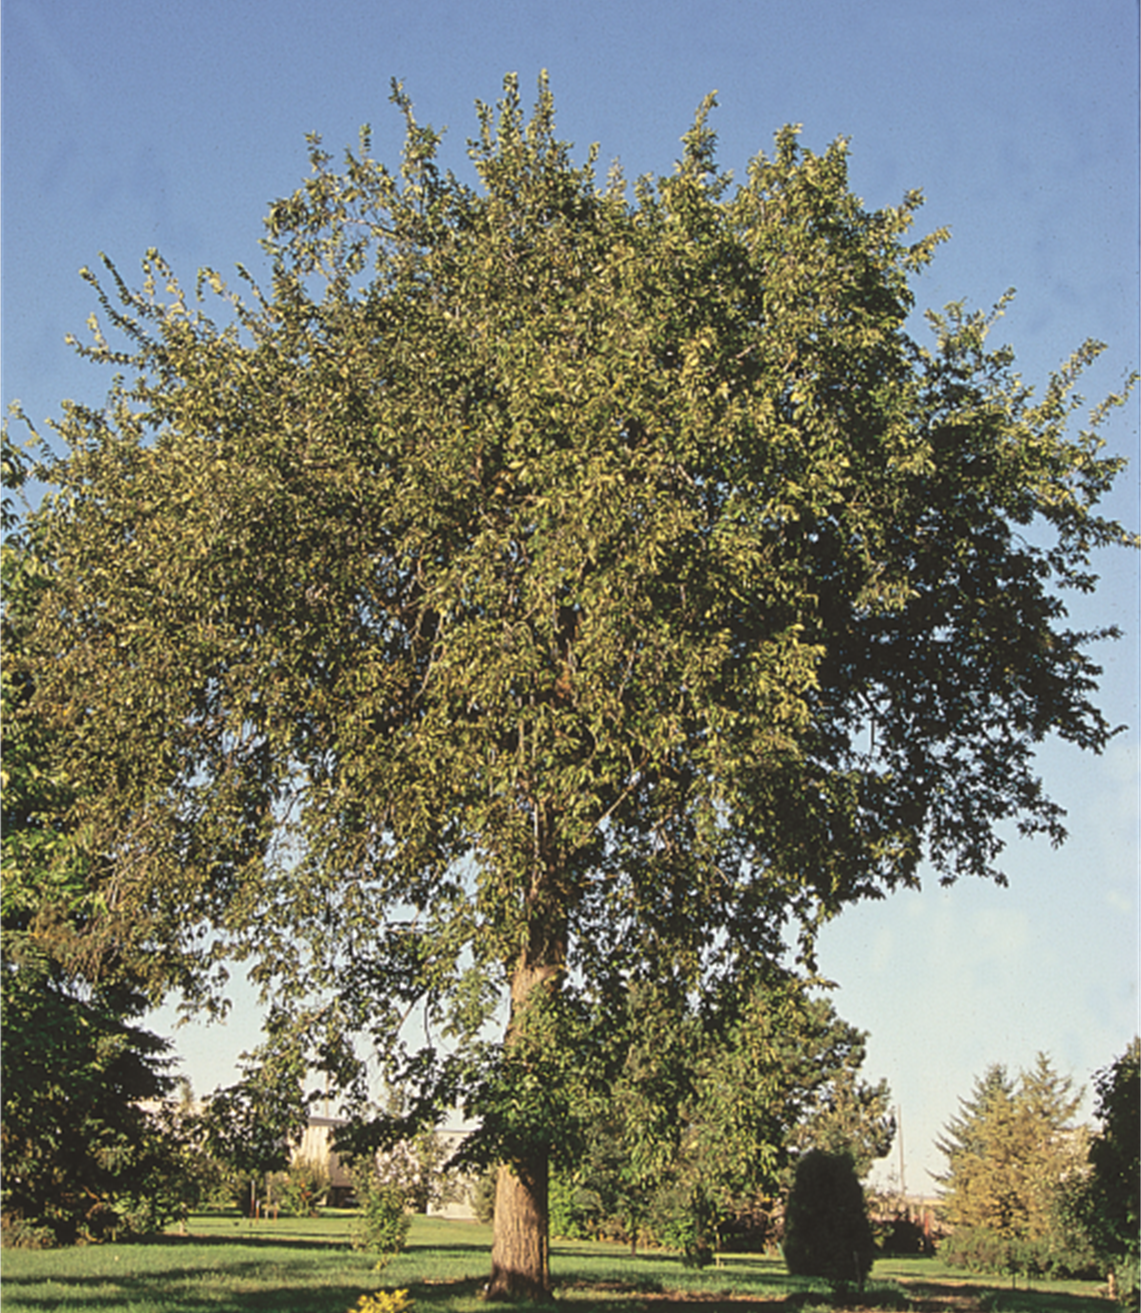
(227, 1265)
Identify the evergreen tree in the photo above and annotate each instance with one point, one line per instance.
(1011, 1151)
(826, 1231)
(963, 1135)
(83, 1159)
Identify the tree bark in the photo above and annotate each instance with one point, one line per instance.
(520, 1252)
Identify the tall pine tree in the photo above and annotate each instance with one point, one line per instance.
(1010, 1151)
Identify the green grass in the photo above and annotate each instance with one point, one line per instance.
(226, 1264)
(918, 1271)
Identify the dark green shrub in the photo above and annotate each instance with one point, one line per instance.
(902, 1235)
(1054, 1255)
(975, 1249)
(826, 1231)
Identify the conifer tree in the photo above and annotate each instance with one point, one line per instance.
(827, 1233)
(1010, 1151)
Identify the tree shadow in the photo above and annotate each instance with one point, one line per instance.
(448, 1247)
(243, 1239)
(1005, 1300)
(95, 1294)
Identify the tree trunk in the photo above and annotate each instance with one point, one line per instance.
(520, 1252)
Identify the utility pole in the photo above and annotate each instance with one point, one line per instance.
(899, 1131)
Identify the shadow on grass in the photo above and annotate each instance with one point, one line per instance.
(291, 1283)
(450, 1247)
(95, 1295)
(298, 1270)
(941, 1296)
(243, 1239)
(998, 1300)
(246, 1236)
(433, 1288)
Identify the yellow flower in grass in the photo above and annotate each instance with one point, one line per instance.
(384, 1301)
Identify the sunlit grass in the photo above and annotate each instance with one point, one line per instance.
(227, 1264)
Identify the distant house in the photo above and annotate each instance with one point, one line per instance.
(316, 1145)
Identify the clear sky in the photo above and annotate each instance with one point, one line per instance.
(136, 123)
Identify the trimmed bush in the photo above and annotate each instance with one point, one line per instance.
(826, 1232)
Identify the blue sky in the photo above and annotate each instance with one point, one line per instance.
(133, 124)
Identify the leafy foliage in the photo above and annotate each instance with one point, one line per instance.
(83, 1160)
(482, 1197)
(1111, 1207)
(848, 1116)
(384, 1301)
(44, 900)
(249, 1127)
(418, 1160)
(300, 1190)
(542, 587)
(711, 1106)
(422, 1169)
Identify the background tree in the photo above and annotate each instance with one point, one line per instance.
(539, 587)
(407, 1152)
(781, 1081)
(1011, 1152)
(250, 1127)
(1113, 1199)
(631, 1146)
(837, 1111)
(301, 1189)
(711, 1106)
(964, 1136)
(850, 1116)
(82, 1158)
(421, 1168)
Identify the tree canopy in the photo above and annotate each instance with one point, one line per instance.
(551, 584)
